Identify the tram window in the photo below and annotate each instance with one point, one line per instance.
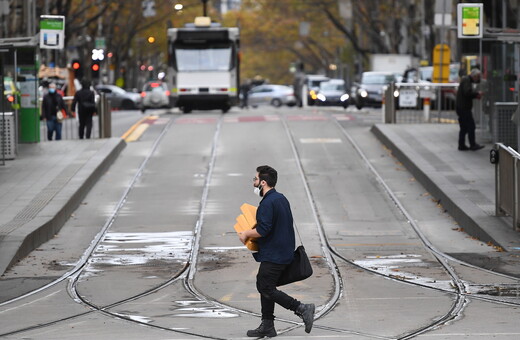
(211, 59)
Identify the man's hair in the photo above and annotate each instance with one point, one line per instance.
(475, 72)
(268, 174)
(85, 84)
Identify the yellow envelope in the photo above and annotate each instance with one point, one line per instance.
(246, 221)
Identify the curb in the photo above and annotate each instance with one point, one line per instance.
(475, 222)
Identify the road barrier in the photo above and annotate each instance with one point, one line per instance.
(420, 103)
(507, 182)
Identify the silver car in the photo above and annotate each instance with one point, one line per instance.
(120, 98)
(155, 95)
(275, 95)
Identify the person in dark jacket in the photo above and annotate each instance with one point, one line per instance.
(464, 106)
(52, 103)
(86, 107)
(274, 235)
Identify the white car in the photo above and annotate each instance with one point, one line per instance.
(275, 95)
(155, 95)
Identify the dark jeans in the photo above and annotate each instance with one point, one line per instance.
(85, 121)
(467, 127)
(266, 280)
(53, 125)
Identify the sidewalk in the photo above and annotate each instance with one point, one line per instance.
(43, 186)
(463, 181)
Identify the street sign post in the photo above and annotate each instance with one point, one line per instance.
(470, 20)
(52, 32)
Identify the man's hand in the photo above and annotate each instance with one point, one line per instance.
(243, 238)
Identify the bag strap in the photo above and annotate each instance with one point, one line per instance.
(298, 232)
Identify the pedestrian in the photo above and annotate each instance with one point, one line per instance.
(244, 89)
(464, 106)
(51, 105)
(275, 238)
(86, 107)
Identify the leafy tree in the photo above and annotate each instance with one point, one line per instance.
(271, 39)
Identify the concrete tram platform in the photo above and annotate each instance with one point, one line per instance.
(42, 187)
(462, 181)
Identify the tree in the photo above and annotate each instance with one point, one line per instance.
(271, 39)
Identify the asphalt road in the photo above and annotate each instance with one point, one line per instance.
(168, 264)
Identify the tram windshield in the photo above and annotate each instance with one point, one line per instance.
(207, 59)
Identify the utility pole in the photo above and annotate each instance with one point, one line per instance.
(205, 8)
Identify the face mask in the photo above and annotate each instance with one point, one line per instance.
(258, 191)
(52, 90)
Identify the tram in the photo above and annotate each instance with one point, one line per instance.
(203, 66)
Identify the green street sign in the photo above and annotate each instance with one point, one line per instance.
(52, 32)
(52, 24)
(101, 43)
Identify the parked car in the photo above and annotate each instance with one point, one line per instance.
(275, 95)
(155, 95)
(333, 93)
(369, 92)
(120, 98)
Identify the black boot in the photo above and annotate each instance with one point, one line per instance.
(266, 328)
(306, 312)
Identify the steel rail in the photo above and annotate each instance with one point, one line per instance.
(461, 293)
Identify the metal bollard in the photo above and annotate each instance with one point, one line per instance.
(426, 107)
(389, 104)
(105, 117)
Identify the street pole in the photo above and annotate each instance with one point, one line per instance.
(205, 8)
(423, 25)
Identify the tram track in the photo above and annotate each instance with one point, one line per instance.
(460, 292)
(462, 296)
(74, 274)
(186, 275)
(332, 255)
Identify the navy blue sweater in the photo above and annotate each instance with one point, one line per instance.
(275, 224)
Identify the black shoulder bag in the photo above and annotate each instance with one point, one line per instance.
(299, 269)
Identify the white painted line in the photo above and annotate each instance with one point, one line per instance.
(319, 140)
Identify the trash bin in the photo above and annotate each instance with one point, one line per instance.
(7, 136)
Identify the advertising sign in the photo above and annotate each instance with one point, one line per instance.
(52, 32)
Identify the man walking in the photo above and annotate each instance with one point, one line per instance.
(52, 103)
(84, 98)
(464, 106)
(275, 238)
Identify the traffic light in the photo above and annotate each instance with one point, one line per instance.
(78, 69)
(94, 68)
